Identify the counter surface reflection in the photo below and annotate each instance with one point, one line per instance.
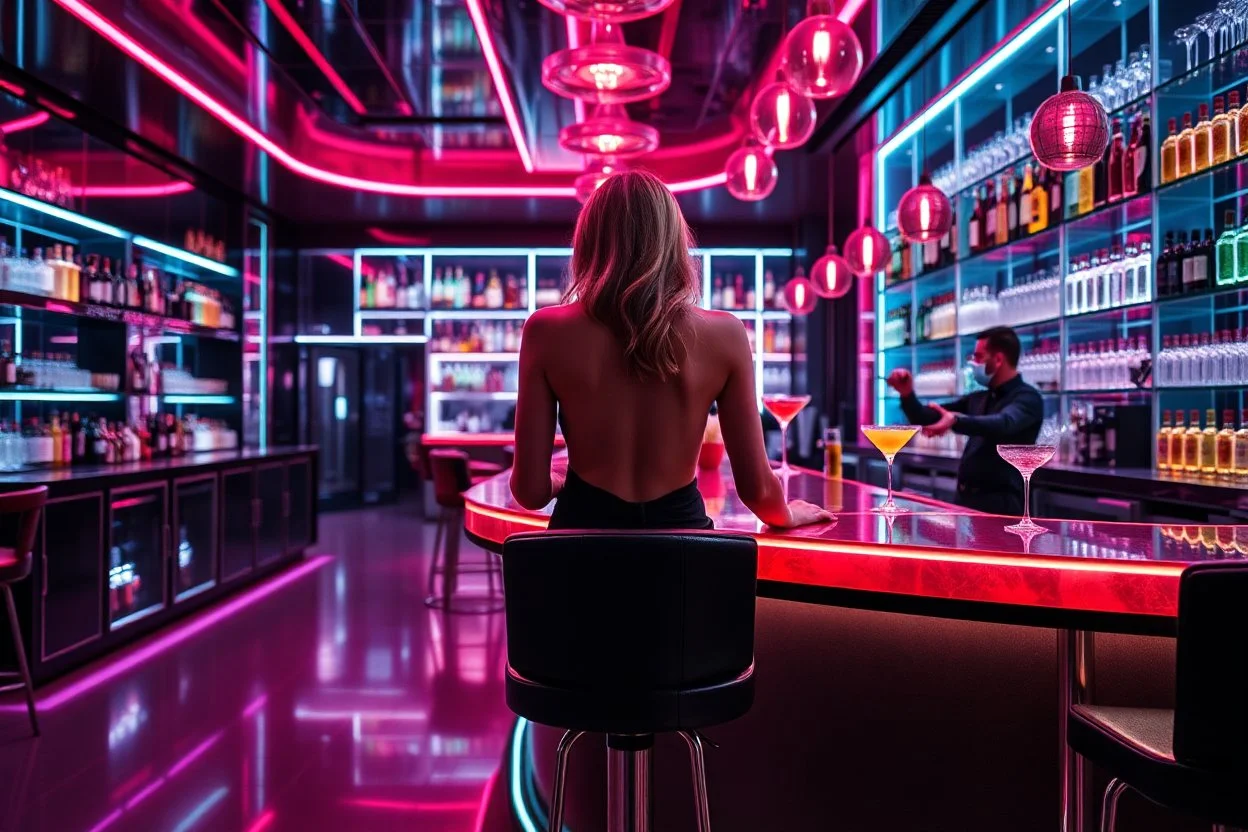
(939, 559)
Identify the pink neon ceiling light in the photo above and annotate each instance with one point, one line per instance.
(25, 123)
(500, 81)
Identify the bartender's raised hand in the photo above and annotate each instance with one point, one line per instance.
(942, 425)
(901, 381)
(805, 514)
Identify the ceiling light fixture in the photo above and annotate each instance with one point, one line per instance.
(822, 55)
(751, 173)
(607, 11)
(592, 179)
(609, 132)
(782, 117)
(607, 71)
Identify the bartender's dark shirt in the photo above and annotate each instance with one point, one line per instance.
(1008, 414)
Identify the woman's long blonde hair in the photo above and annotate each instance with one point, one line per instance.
(632, 271)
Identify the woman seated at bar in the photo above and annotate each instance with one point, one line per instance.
(632, 365)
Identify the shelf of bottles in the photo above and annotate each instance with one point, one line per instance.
(113, 346)
(468, 307)
(1128, 281)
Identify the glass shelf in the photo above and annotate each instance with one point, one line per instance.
(134, 317)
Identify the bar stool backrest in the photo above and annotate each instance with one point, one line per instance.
(25, 505)
(630, 611)
(450, 476)
(1211, 675)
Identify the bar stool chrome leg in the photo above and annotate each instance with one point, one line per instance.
(561, 773)
(1075, 653)
(1109, 804)
(630, 776)
(434, 567)
(22, 666)
(701, 799)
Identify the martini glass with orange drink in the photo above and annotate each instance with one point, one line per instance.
(784, 407)
(888, 440)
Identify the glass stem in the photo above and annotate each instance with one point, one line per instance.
(889, 502)
(1027, 499)
(784, 447)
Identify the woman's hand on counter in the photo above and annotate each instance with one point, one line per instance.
(802, 513)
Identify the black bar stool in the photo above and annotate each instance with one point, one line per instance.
(451, 478)
(1194, 758)
(15, 563)
(630, 635)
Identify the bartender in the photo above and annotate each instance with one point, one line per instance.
(1008, 412)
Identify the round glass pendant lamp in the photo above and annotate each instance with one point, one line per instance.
(607, 71)
(1070, 130)
(609, 132)
(751, 173)
(607, 11)
(800, 296)
(782, 117)
(830, 276)
(822, 57)
(924, 213)
(866, 251)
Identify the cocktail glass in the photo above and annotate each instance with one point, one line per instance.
(1026, 458)
(888, 440)
(784, 408)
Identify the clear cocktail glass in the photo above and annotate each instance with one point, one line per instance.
(784, 407)
(1026, 458)
(889, 439)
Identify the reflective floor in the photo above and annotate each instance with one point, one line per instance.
(328, 698)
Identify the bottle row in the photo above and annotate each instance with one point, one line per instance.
(392, 288)
(1034, 297)
(938, 378)
(778, 337)
(1041, 365)
(152, 378)
(453, 289)
(1199, 360)
(476, 377)
(64, 275)
(938, 317)
(1124, 170)
(473, 419)
(777, 378)
(476, 336)
(1208, 450)
(1197, 146)
(71, 440)
(51, 371)
(1110, 364)
(32, 177)
(738, 293)
(1015, 206)
(548, 292)
(1110, 278)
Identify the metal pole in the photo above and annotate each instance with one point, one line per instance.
(629, 781)
(1075, 654)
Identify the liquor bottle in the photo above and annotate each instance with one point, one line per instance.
(1208, 266)
(1226, 250)
(1038, 214)
(57, 440)
(1187, 155)
(1016, 201)
(739, 292)
(1209, 443)
(1241, 446)
(1025, 196)
(1178, 265)
(977, 222)
(717, 292)
(1177, 441)
(1113, 170)
(1241, 250)
(1226, 444)
(728, 298)
(1055, 195)
(1142, 155)
(1086, 179)
(1202, 141)
(1100, 178)
(1221, 129)
(1003, 199)
(1191, 443)
(990, 216)
(1232, 110)
(1130, 156)
(1163, 442)
(1170, 154)
(1163, 265)
(494, 292)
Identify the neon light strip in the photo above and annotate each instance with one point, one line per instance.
(347, 340)
(500, 81)
(478, 314)
(242, 127)
(192, 398)
(17, 125)
(62, 214)
(133, 191)
(410, 805)
(517, 790)
(977, 74)
(478, 395)
(197, 814)
(323, 64)
(439, 357)
(186, 256)
(52, 396)
(123, 664)
(195, 753)
(262, 821)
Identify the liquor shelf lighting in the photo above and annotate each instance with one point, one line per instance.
(186, 256)
(56, 396)
(62, 214)
(348, 340)
(192, 398)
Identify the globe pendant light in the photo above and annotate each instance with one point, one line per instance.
(822, 56)
(609, 132)
(610, 11)
(866, 251)
(831, 276)
(607, 71)
(781, 116)
(1070, 130)
(751, 173)
(924, 213)
(799, 296)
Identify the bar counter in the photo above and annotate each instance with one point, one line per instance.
(938, 559)
(124, 549)
(932, 656)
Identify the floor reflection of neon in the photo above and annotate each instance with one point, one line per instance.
(197, 814)
(423, 806)
(115, 667)
(486, 793)
(517, 789)
(195, 753)
(262, 821)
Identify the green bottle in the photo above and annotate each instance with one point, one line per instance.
(1225, 254)
(1241, 252)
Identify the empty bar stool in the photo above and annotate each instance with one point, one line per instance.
(630, 635)
(24, 508)
(1194, 758)
(451, 478)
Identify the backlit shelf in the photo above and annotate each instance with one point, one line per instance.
(391, 314)
(473, 395)
(33, 394)
(132, 317)
(483, 357)
(478, 314)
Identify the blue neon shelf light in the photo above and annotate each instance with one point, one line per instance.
(196, 398)
(185, 256)
(56, 396)
(61, 214)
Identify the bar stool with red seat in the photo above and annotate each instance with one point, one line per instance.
(451, 478)
(15, 563)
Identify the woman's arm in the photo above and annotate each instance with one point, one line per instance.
(531, 482)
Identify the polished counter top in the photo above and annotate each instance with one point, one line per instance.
(199, 459)
(940, 559)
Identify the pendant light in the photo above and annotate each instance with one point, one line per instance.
(751, 173)
(866, 251)
(1071, 129)
(609, 11)
(831, 276)
(822, 55)
(799, 296)
(781, 116)
(593, 177)
(924, 213)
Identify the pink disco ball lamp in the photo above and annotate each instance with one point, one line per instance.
(924, 213)
(866, 251)
(800, 296)
(831, 276)
(782, 117)
(822, 56)
(751, 173)
(1070, 130)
